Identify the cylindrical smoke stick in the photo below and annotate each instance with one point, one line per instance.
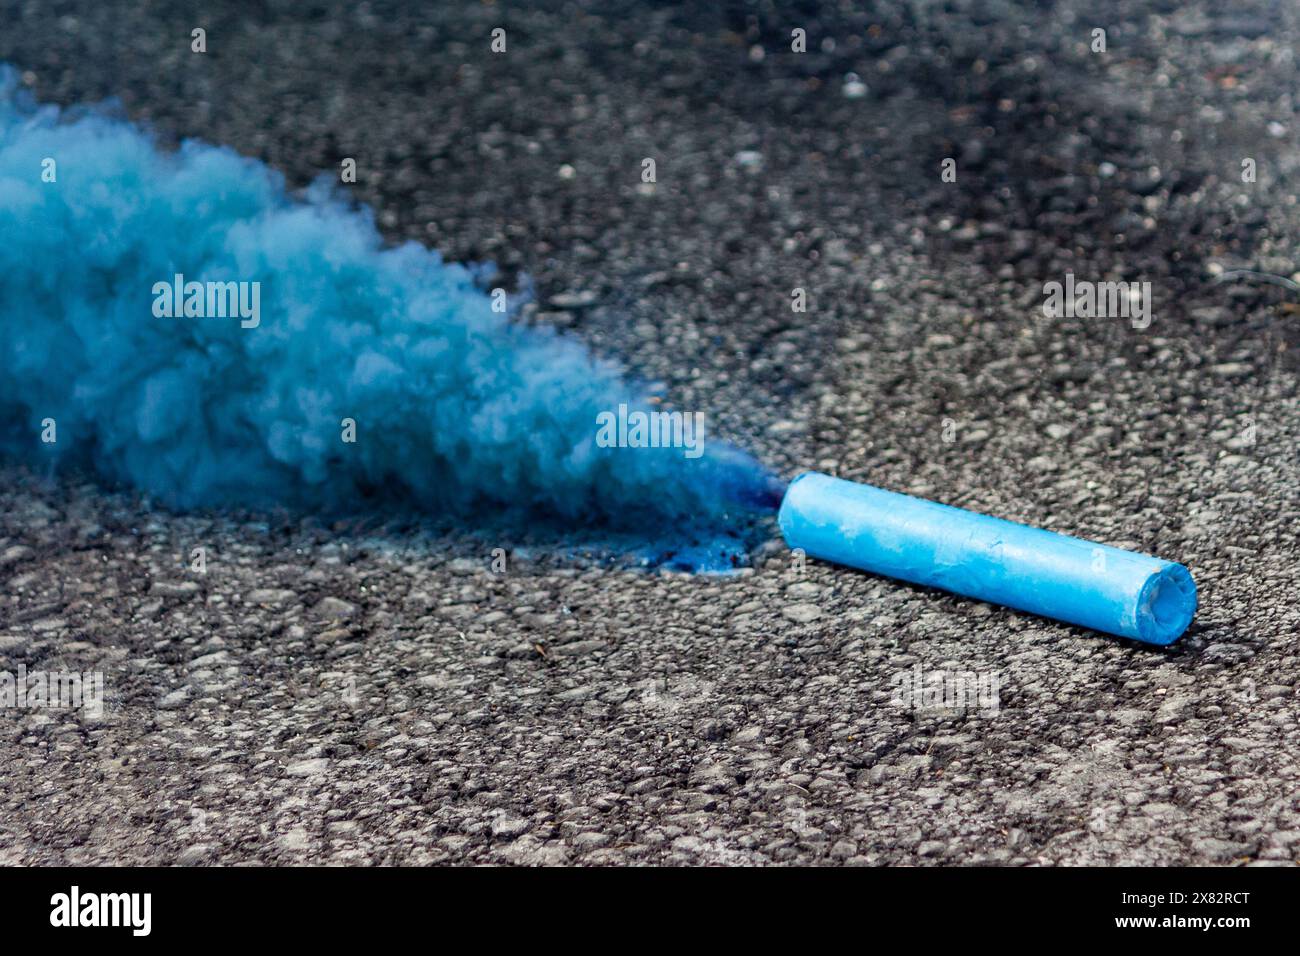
(1093, 585)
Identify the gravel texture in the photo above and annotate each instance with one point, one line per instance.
(370, 694)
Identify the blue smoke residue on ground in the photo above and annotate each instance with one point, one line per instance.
(458, 411)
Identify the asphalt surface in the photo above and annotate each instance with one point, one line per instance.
(359, 694)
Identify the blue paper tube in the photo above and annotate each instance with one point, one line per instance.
(1093, 585)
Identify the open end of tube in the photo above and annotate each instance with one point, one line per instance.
(1167, 605)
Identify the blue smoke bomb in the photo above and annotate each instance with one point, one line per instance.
(1030, 569)
(181, 323)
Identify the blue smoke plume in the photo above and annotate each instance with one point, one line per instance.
(457, 411)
